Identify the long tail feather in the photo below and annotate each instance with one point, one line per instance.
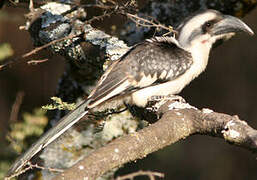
(63, 125)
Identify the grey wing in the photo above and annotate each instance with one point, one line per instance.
(165, 58)
(153, 61)
(113, 82)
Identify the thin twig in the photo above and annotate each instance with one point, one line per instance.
(150, 174)
(49, 44)
(148, 23)
(34, 51)
(105, 7)
(138, 20)
(31, 166)
(35, 62)
(100, 17)
(44, 168)
(14, 3)
(2, 66)
(16, 106)
(18, 173)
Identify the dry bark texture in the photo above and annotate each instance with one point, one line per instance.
(174, 125)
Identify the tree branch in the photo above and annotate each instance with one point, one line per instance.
(174, 125)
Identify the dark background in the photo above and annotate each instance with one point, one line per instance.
(228, 85)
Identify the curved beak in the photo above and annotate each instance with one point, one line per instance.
(230, 24)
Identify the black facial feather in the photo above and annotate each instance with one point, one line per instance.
(207, 26)
(199, 12)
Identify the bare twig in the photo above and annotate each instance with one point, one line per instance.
(121, 9)
(49, 44)
(44, 168)
(8, 63)
(3, 66)
(32, 166)
(100, 17)
(150, 174)
(147, 23)
(16, 106)
(34, 51)
(18, 173)
(35, 62)
(14, 3)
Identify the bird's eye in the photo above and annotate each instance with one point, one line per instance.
(207, 26)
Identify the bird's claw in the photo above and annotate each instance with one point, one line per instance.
(155, 102)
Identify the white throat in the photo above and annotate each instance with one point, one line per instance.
(200, 55)
(200, 50)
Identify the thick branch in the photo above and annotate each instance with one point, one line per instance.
(174, 125)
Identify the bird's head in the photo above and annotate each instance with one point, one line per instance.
(208, 26)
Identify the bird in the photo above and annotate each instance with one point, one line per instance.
(159, 66)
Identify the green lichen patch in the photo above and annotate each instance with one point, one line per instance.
(59, 104)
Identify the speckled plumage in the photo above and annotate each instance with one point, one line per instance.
(158, 55)
(153, 61)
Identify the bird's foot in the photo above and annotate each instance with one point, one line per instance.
(155, 102)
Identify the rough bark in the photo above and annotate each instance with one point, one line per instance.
(174, 125)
